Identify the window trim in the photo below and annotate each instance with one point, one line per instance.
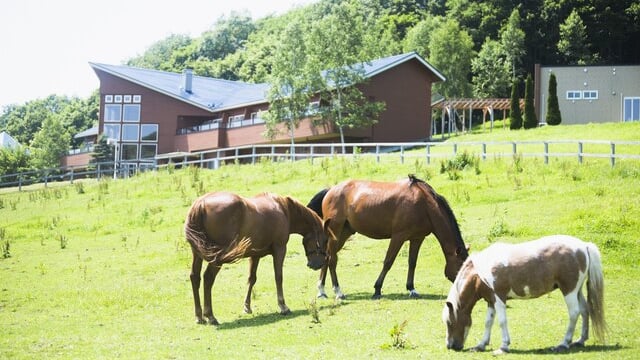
(122, 153)
(577, 95)
(131, 106)
(590, 92)
(130, 126)
(106, 112)
(142, 139)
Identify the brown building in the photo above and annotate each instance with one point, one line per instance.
(151, 114)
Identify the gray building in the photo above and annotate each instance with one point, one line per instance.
(591, 94)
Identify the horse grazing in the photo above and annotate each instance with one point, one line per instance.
(524, 271)
(405, 210)
(222, 227)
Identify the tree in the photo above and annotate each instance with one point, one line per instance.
(339, 43)
(512, 40)
(14, 160)
(530, 120)
(491, 71)
(451, 52)
(227, 36)
(573, 43)
(293, 81)
(102, 151)
(50, 143)
(553, 108)
(515, 113)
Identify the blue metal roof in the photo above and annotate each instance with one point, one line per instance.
(217, 94)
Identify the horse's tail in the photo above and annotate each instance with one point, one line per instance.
(315, 203)
(197, 237)
(595, 292)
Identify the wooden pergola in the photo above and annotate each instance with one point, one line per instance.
(488, 106)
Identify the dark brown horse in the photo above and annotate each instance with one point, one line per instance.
(222, 227)
(405, 210)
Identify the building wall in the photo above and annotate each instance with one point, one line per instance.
(406, 91)
(612, 84)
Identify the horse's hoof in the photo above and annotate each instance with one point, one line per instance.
(213, 321)
(285, 312)
(560, 348)
(200, 321)
(322, 296)
(577, 344)
(414, 294)
(477, 349)
(376, 297)
(247, 310)
(341, 297)
(500, 351)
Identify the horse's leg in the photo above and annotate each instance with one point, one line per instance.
(573, 307)
(209, 277)
(584, 314)
(321, 281)
(333, 248)
(196, 267)
(392, 251)
(278, 261)
(488, 324)
(253, 267)
(501, 313)
(414, 249)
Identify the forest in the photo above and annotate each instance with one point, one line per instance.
(479, 46)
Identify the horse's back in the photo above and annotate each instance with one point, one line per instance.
(534, 268)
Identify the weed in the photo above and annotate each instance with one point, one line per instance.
(79, 187)
(453, 167)
(517, 163)
(63, 241)
(314, 311)
(398, 337)
(5, 245)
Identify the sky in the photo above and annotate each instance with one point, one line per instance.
(46, 46)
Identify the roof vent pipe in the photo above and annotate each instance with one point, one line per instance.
(187, 80)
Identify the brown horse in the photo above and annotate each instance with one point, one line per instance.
(525, 271)
(405, 210)
(222, 227)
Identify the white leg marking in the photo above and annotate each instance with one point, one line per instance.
(488, 324)
(573, 307)
(501, 313)
(338, 292)
(321, 292)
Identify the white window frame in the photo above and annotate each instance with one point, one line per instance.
(110, 129)
(634, 107)
(574, 95)
(126, 128)
(117, 98)
(587, 95)
(137, 99)
(107, 112)
(131, 106)
(146, 126)
(148, 145)
(122, 153)
(127, 98)
(108, 98)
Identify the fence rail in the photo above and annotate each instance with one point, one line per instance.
(427, 151)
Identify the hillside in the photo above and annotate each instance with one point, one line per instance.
(101, 269)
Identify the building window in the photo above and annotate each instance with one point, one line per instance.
(112, 112)
(148, 151)
(137, 98)
(127, 98)
(632, 109)
(111, 131)
(590, 94)
(574, 95)
(235, 121)
(131, 113)
(129, 152)
(130, 132)
(108, 98)
(117, 98)
(149, 132)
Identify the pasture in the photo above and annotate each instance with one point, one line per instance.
(100, 269)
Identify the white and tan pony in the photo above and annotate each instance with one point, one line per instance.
(525, 271)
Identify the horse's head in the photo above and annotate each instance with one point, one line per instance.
(458, 324)
(315, 245)
(454, 262)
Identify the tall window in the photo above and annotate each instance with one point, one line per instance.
(112, 112)
(131, 113)
(112, 131)
(149, 132)
(632, 109)
(130, 132)
(122, 122)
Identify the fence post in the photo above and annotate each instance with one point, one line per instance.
(546, 152)
(455, 149)
(253, 155)
(613, 154)
(401, 154)
(484, 151)
(428, 153)
(515, 148)
(378, 153)
(311, 153)
(580, 152)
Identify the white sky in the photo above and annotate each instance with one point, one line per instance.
(46, 45)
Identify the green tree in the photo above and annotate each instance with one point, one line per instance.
(292, 83)
(160, 54)
(573, 44)
(418, 37)
(14, 161)
(515, 114)
(492, 72)
(227, 36)
(530, 120)
(339, 43)
(451, 52)
(50, 143)
(553, 108)
(512, 40)
(103, 152)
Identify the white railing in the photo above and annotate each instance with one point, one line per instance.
(426, 151)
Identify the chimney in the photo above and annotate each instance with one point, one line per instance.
(187, 80)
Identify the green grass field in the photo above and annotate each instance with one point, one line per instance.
(101, 269)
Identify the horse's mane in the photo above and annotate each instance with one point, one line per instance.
(315, 203)
(458, 285)
(442, 202)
